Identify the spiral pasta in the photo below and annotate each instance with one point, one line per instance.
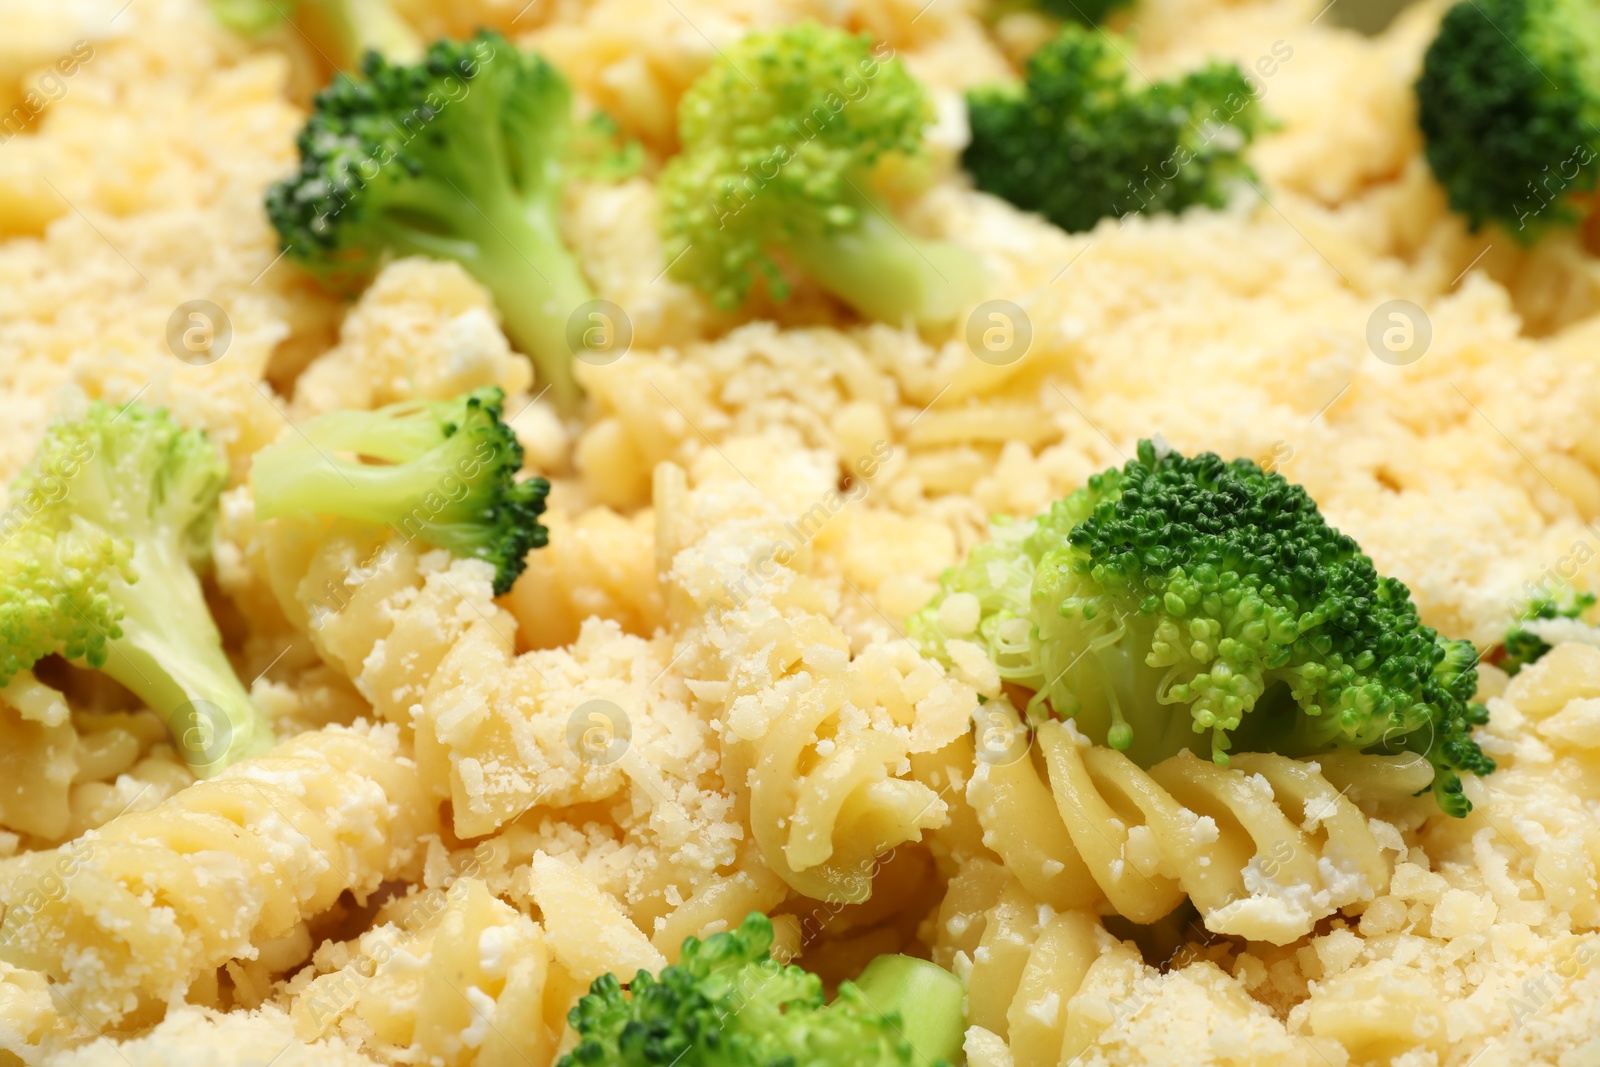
(1263, 848)
(190, 1035)
(818, 740)
(458, 978)
(823, 800)
(134, 913)
(37, 758)
(1050, 988)
(61, 776)
(1532, 828)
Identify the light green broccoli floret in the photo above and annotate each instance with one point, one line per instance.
(779, 147)
(445, 474)
(727, 1003)
(1185, 602)
(98, 553)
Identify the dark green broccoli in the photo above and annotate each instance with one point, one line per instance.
(341, 31)
(461, 156)
(445, 475)
(727, 1003)
(1508, 103)
(779, 147)
(98, 551)
(1179, 597)
(1523, 646)
(1083, 12)
(1078, 142)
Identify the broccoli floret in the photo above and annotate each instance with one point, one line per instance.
(1192, 603)
(445, 475)
(779, 148)
(98, 551)
(1523, 645)
(341, 31)
(461, 156)
(1508, 103)
(1083, 12)
(727, 1003)
(1078, 142)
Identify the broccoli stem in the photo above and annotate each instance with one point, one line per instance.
(170, 656)
(1102, 681)
(302, 479)
(359, 25)
(537, 285)
(417, 498)
(515, 251)
(929, 1000)
(882, 272)
(1135, 720)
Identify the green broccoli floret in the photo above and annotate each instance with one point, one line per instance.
(445, 475)
(98, 551)
(462, 156)
(1523, 646)
(779, 148)
(1083, 12)
(1508, 103)
(727, 1003)
(342, 31)
(1078, 142)
(1178, 597)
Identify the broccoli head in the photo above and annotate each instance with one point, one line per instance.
(1524, 643)
(1191, 603)
(1078, 142)
(727, 1003)
(461, 156)
(1508, 103)
(1083, 12)
(779, 147)
(98, 551)
(444, 474)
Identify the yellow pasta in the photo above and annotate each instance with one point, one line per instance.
(824, 803)
(61, 775)
(131, 915)
(459, 978)
(597, 563)
(1023, 962)
(38, 759)
(1535, 815)
(30, 1018)
(820, 737)
(1055, 989)
(505, 736)
(720, 904)
(1263, 848)
(199, 1036)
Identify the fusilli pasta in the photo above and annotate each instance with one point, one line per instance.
(1263, 848)
(135, 913)
(1532, 829)
(196, 1037)
(61, 775)
(37, 759)
(819, 739)
(457, 978)
(1049, 989)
